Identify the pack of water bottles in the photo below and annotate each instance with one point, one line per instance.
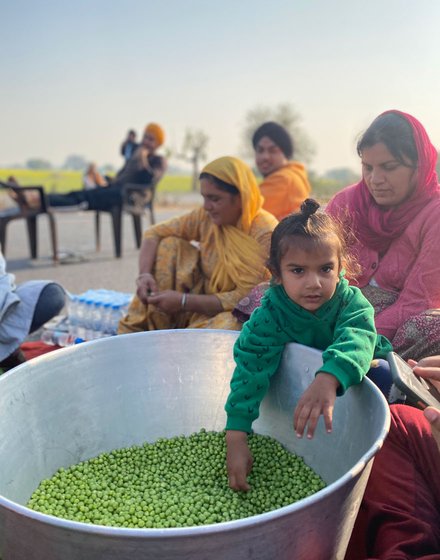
(90, 315)
(96, 313)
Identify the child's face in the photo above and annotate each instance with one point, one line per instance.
(310, 277)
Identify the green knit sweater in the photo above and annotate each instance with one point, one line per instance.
(343, 328)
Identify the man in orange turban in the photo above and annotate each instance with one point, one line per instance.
(157, 131)
(145, 167)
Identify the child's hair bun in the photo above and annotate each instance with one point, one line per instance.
(309, 207)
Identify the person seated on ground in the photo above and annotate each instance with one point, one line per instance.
(394, 215)
(193, 269)
(144, 167)
(92, 178)
(285, 185)
(399, 515)
(309, 302)
(129, 145)
(23, 310)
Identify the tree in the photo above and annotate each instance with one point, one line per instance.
(286, 115)
(194, 151)
(75, 163)
(38, 163)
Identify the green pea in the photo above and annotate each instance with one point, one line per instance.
(176, 482)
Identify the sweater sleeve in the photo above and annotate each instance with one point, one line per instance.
(421, 290)
(349, 357)
(257, 354)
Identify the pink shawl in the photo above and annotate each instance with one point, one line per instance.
(376, 227)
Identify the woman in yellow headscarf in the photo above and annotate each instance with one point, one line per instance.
(195, 268)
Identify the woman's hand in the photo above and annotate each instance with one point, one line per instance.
(146, 285)
(433, 416)
(429, 369)
(239, 460)
(168, 301)
(318, 399)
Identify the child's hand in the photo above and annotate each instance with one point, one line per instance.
(238, 460)
(318, 399)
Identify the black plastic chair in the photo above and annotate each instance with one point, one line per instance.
(137, 200)
(28, 210)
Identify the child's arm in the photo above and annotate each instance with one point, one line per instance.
(257, 353)
(355, 342)
(238, 459)
(318, 399)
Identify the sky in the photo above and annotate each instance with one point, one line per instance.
(77, 75)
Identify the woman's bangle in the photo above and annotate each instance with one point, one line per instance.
(145, 274)
(183, 302)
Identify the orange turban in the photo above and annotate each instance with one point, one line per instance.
(157, 131)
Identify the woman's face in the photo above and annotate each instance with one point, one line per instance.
(268, 156)
(223, 208)
(389, 181)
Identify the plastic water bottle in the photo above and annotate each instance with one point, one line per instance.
(107, 318)
(72, 311)
(96, 313)
(80, 315)
(97, 319)
(88, 319)
(57, 338)
(115, 317)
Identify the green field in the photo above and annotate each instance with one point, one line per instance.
(64, 181)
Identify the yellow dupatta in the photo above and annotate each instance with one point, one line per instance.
(241, 261)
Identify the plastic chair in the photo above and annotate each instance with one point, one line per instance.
(29, 210)
(137, 200)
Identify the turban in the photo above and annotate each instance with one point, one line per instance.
(157, 131)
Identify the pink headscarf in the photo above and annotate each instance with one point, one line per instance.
(376, 227)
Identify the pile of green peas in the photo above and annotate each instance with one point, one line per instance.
(176, 482)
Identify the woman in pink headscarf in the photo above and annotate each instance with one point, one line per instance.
(394, 214)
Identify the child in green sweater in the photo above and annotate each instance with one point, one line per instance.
(309, 302)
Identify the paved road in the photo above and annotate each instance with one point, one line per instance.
(76, 235)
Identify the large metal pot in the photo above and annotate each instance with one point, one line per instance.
(73, 404)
